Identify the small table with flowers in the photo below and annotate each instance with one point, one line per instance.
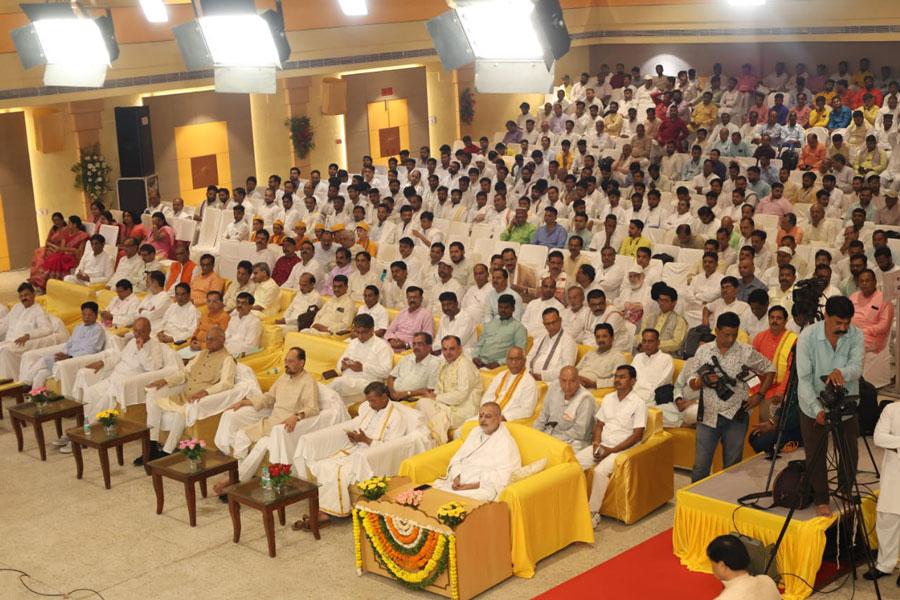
(101, 439)
(36, 416)
(178, 467)
(412, 545)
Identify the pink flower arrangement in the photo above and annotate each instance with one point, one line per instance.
(410, 498)
(40, 395)
(192, 448)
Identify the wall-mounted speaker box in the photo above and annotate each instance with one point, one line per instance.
(135, 141)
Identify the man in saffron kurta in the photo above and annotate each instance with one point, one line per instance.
(207, 280)
(874, 316)
(484, 464)
(513, 388)
(776, 343)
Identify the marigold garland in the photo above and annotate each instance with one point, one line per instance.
(417, 566)
(357, 546)
(454, 577)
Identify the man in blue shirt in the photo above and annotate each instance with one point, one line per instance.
(833, 349)
(840, 114)
(550, 234)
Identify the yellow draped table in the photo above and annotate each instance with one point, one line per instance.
(402, 542)
(702, 513)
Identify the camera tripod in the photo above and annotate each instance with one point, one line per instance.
(847, 494)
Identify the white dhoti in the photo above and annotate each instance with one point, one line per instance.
(602, 472)
(887, 526)
(672, 417)
(36, 365)
(230, 438)
(171, 418)
(877, 367)
(350, 388)
(11, 358)
(438, 417)
(334, 474)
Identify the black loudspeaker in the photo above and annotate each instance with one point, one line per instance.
(135, 141)
(133, 192)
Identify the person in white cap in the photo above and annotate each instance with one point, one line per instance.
(634, 297)
(783, 256)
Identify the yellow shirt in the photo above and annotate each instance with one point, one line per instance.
(859, 78)
(630, 245)
(819, 119)
(829, 96)
(869, 114)
(705, 115)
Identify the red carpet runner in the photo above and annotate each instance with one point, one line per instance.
(649, 571)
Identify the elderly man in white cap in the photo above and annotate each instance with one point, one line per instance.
(634, 297)
(783, 256)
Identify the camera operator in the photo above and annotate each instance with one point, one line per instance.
(832, 349)
(726, 418)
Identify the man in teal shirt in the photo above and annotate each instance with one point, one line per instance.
(833, 349)
(499, 335)
(519, 230)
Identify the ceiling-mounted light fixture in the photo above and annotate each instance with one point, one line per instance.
(243, 47)
(76, 49)
(155, 11)
(514, 43)
(354, 8)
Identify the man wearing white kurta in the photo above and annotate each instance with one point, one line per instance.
(123, 309)
(305, 299)
(379, 421)
(244, 327)
(210, 372)
(887, 522)
(367, 358)
(619, 424)
(568, 410)
(458, 390)
(416, 373)
(654, 369)
(705, 288)
(294, 396)
(532, 318)
(130, 267)
(551, 351)
(153, 306)
(95, 265)
(28, 325)
(455, 321)
(181, 318)
(513, 388)
(267, 292)
(484, 464)
(100, 384)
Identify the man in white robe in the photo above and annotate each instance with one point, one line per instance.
(655, 369)
(181, 318)
(457, 392)
(123, 309)
(379, 422)
(29, 327)
(131, 265)
(619, 424)
(100, 384)
(552, 350)
(513, 388)
(367, 358)
(244, 329)
(154, 305)
(484, 464)
(95, 266)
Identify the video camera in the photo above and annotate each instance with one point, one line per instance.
(724, 385)
(835, 399)
(806, 299)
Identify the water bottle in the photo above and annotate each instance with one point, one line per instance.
(265, 481)
(87, 428)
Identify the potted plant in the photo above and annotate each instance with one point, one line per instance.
(92, 173)
(193, 450)
(301, 134)
(40, 396)
(108, 418)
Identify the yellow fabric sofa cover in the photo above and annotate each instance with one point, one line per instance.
(548, 511)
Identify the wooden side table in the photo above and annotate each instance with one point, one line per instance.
(126, 431)
(178, 467)
(14, 390)
(251, 494)
(54, 411)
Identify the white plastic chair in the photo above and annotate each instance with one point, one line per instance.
(690, 256)
(459, 229)
(184, 229)
(110, 234)
(482, 230)
(533, 255)
(766, 221)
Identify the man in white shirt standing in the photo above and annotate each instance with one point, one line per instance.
(95, 266)
(619, 425)
(553, 350)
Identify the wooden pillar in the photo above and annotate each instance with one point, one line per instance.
(85, 123)
(296, 98)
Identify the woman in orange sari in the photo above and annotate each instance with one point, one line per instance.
(62, 256)
(54, 238)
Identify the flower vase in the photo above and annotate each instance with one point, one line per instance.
(195, 464)
(109, 430)
(278, 489)
(39, 407)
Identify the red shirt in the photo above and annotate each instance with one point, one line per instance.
(876, 95)
(283, 268)
(671, 130)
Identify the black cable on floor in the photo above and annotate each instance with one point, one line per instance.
(23, 575)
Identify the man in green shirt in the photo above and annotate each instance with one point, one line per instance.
(499, 335)
(519, 230)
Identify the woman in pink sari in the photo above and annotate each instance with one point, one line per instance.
(61, 254)
(161, 236)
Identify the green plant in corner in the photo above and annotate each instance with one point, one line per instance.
(92, 173)
(466, 107)
(301, 135)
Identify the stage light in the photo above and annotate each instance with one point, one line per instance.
(508, 40)
(244, 48)
(746, 3)
(354, 8)
(155, 11)
(75, 48)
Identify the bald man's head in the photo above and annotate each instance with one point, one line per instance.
(141, 329)
(515, 360)
(215, 339)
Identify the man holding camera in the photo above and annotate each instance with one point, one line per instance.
(829, 359)
(725, 373)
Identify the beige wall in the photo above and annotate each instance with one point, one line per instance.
(364, 88)
(169, 112)
(17, 215)
(328, 130)
(271, 144)
(443, 105)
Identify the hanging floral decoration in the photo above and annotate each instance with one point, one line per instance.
(92, 173)
(301, 134)
(414, 555)
(466, 107)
